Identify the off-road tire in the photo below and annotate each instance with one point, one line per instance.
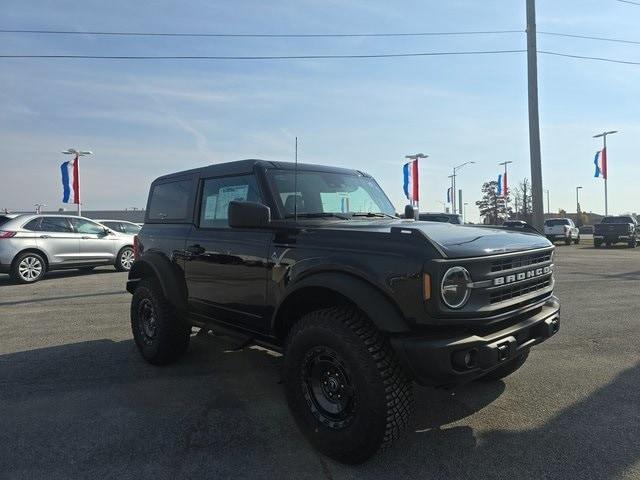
(171, 334)
(126, 266)
(382, 392)
(506, 369)
(24, 268)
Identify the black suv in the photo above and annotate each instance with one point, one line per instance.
(312, 262)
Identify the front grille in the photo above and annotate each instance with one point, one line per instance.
(515, 291)
(521, 261)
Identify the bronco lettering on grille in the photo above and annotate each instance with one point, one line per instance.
(517, 277)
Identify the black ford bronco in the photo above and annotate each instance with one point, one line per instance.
(311, 261)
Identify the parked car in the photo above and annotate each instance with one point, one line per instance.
(31, 245)
(561, 229)
(616, 229)
(453, 218)
(121, 226)
(311, 262)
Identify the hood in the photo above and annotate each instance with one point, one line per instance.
(455, 241)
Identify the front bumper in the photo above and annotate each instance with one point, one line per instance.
(448, 361)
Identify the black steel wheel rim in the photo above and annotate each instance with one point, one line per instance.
(327, 388)
(147, 322)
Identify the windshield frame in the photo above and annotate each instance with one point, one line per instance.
(282, 214)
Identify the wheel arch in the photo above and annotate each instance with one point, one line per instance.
(170, 278)
(328, 288)
(32, 250)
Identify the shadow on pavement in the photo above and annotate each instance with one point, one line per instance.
(96, 410)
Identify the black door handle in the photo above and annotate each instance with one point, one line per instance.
(195, 250)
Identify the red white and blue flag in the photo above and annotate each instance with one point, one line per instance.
(601, 163)
(501, 189)
(411, 189)
(70, 181)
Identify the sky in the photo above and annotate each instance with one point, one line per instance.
(143, 119)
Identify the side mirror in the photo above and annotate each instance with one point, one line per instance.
(248, 215)
(410, 212)
(107, 231)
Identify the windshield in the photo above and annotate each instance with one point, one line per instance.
(328, 193)
(556, 221)
(617, 220)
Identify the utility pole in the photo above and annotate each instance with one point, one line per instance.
(534, 121)
(605, 174)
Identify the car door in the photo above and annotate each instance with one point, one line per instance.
(96, 246)
(226, 269)
(58, 240)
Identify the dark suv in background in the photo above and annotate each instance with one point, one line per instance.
(311, 261)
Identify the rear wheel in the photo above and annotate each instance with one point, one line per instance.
(506, 369)
(567, 241)
(577, 240)
(633, 243)
(124, 259)
(597, 243)
(160, 334)
(344, 386)
(28, 267)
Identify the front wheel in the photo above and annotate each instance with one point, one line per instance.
(160, 334)
(345, 388)
(633, 243)
(577, 240)
(567, 241)
(125, 259)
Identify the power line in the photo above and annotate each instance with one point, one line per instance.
(629, 2)
(588, 37)
(260, 35)
(266, 57)
(585, 57)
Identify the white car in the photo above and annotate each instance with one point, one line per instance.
(561, 229)
(121, 226)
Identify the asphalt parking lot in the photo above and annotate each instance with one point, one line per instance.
(76, 400)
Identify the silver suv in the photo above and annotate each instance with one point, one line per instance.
(30, 245)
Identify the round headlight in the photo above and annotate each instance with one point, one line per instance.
(455, 289)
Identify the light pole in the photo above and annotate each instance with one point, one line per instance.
(78, 154)
(416, 157)
(604, 163)
(548, 210)
(453, 185)
(578, 207)
(39, 207)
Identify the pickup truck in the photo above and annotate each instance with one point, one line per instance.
(561, 229)
(311, 261)
(616, 229)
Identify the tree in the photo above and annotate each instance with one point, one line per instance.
(562, 212)
(523, 200)
(493, 209)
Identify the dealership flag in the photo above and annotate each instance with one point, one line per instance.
(601, 163)
(499, 188)
(410, 171)
(449, 195)
(70, 181)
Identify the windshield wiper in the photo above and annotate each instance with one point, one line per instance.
(372, 214)
(318, 215)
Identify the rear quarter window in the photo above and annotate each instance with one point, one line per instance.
(171, 202)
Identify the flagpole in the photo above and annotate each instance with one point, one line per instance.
(78, 154)
(605, 173)
(415, 158)
(78, 180)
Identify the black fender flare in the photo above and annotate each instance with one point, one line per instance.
(372, 300)
(168, 274)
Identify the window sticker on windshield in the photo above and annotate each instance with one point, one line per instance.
(228, 194)
(210, 207)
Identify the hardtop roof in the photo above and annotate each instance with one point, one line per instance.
(241, 167)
